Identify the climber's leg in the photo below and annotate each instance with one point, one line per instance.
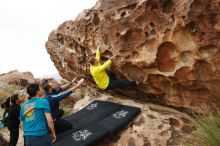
(111, 76)
(113, 84)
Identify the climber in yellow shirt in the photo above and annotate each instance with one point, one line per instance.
(106, 81)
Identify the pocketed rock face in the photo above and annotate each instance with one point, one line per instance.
(173, 44)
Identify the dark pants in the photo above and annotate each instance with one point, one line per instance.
(44, 140)
(14, 134)
(114, 83)
(62, 125)
(24, 140)
(60, 113)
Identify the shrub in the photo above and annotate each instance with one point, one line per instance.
(207, 131)
(6, 92)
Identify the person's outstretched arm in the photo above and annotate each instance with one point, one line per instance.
(67, 85)
(51, 126)
(62, 95)
(73, 89)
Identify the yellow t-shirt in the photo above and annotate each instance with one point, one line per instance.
(98, 72)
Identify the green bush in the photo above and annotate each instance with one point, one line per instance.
(6, 92)
(207, 131)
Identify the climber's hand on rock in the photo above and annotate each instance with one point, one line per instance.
(74, 80)
(79, 83)
(113, 58)
(98, 48)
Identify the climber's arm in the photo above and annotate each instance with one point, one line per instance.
(103, 66)
(98, 54)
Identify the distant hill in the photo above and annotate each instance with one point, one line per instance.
(55, 76)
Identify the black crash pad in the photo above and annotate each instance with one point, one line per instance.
(92, 113)
(83, 137)
(120, 118)
(95, 121)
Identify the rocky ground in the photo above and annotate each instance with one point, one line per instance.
(5, 135)
(155, 126)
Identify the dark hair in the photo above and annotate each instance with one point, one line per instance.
(46, 87)
(32, 89)
(14, 98)
(6, 104)
(3, 105)
(44, 82)
(92, 60)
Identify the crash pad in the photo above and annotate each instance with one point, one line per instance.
(95, 121)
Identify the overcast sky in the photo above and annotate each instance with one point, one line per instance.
(24, 29)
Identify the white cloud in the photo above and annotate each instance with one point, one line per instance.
(24, 28)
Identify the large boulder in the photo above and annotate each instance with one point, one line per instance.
(173, 45)
(17, 78)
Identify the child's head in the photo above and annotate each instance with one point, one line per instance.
(49, 87)
(16, 99)
(6, 104)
